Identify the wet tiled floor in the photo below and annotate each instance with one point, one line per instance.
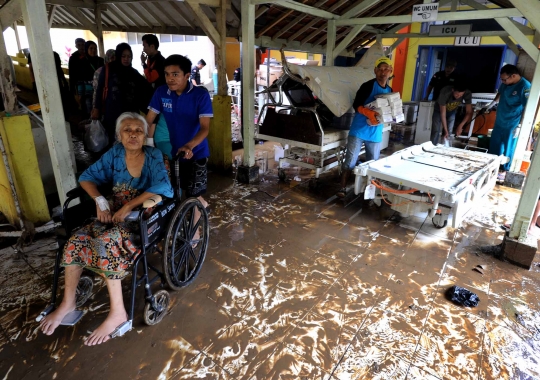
(297, 286)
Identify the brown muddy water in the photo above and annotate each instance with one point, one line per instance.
(297, 286)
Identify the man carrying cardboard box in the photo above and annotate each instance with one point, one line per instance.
(367, 125)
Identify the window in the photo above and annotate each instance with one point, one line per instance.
(164, 38)
(191, 38)
(132, 38)
(177, 38)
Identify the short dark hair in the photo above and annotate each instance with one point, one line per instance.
(179, 60)
(451, 63)
(151, 39)
(509, 70)
(202, 62)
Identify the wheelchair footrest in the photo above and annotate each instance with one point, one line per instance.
(72, 318)
(122, 329)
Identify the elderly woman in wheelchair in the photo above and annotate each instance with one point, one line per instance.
(111, 243)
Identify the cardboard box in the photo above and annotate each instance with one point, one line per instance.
(396, 103)
(391, 96)
(378, 102)
(383, 110)
(397, 111)
(385, 118)
(275, 73)
(399, 118)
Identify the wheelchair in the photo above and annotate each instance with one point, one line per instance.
(166, 226)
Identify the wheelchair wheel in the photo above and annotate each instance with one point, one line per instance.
(83, 291)
(153, 316)
(186, 243)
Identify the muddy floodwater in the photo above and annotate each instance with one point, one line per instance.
(299, 285)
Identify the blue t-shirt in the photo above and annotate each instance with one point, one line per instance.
(111, 169)
(512, 103)
(182, 113)
(359, 127)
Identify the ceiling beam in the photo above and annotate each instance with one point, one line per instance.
(529, 8)
(520, 38)
(442, 16)
(495, 33)
(204, 21)
(151, 12)
(274, 22)
(192, 23)
(52, 11)
(125, 16)
(473, 4)
(297, 20)
(140, 14)
(77, 14)
(347, 40)
(73, 3)
(291, 4)
(316, 20)
(359, 8)
(160, 8)
(210, 3)
(278, 43)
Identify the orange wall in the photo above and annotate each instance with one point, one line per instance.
(400, 62)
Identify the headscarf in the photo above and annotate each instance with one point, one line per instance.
(109, 54)
(118, 53)
(95, 61)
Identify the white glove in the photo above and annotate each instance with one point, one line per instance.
(150, 141)
(102, 203)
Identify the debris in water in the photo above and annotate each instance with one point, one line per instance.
(480, 269)
(463, 297)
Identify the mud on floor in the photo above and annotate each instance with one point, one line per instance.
(297, 286)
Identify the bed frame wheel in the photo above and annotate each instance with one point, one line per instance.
(439, 221)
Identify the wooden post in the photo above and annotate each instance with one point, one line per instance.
(221, 17)
(19, 49)
(35, 20)
(330, 42)
(99, 25)
(6, 79)
(248, 81)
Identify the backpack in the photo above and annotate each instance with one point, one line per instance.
(237, 74)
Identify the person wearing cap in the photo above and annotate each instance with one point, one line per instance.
(195, 75)
(74, 62)
(365, 128)
(441, 79)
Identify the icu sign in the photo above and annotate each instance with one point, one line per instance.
(425, 12)
(467, 41)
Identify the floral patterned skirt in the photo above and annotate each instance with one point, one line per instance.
(105, 249)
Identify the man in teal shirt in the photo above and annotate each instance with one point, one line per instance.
(365, 129)
(512, 97)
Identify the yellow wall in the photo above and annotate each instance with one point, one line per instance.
(18, 140)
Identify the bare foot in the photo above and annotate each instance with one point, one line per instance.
(101, 334)
(53, 320)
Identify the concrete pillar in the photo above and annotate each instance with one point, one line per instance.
(248, 172)
(19, 49)
(35, 19)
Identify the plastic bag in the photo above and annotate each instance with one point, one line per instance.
(95, 137)
(462, 296)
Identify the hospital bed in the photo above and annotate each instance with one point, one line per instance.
(441, 180)
(309, 111)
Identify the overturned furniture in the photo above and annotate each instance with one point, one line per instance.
(309, 111)
(443, 181)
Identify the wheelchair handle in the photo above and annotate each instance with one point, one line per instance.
(182, 154)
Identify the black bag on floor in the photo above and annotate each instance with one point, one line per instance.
(463, 297)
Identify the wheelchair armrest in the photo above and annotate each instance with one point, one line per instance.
(151, 202)
(76, 192)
